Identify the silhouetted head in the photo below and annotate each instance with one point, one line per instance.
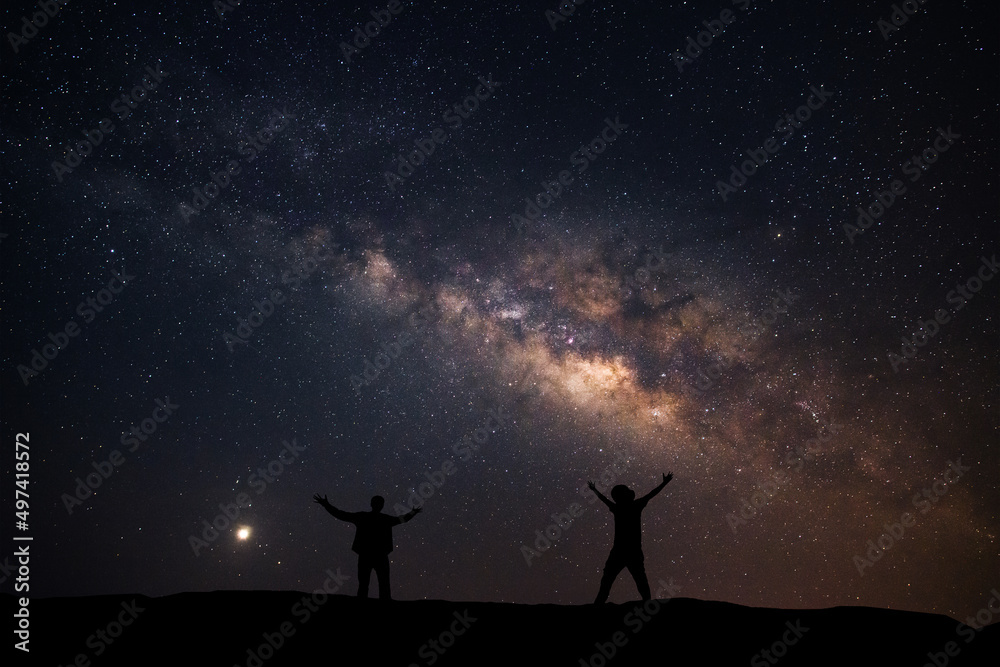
(622, 494)
(378, 502)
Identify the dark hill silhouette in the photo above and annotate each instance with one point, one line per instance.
(218, 628)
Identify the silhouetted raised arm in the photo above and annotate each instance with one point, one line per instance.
(409, 515)
(600, 495)
(340, 514)
(666, 478)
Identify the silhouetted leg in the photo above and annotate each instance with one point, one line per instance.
(637, 569)
(364, 575)
(382, 574)
(611, 570)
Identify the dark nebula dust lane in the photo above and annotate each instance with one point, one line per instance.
(485, 255)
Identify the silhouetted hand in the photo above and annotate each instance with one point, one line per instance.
(591, 486)
(418, 510)
(321, 500)
(669, 476)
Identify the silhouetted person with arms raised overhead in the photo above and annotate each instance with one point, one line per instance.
(372, 541)
(627, 549)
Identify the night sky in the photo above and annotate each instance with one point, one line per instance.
(638, 316)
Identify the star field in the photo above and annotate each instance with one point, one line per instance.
(639, 318)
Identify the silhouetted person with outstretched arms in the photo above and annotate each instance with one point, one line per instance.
(627, 549)
(372, 541)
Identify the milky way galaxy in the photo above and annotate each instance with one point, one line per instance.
(583, 275)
